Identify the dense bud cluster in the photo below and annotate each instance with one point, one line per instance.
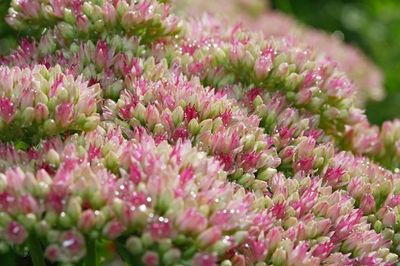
(40, 102)
(124, 140)
(367, 78)
(72, 19)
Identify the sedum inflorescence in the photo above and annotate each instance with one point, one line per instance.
(130, 134)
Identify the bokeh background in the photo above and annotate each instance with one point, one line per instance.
(371, 25)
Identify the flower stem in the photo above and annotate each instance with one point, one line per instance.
(36, 251)
(91, 252)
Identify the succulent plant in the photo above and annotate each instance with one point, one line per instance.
(129, 134)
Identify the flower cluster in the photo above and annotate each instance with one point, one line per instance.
(108, 62)
(101, 185)
(174, 108)
(310, 83)
(40, 102)
(147, 19)
(253, 14)
(121, 140)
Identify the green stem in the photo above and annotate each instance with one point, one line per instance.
(36, 251)
(90, 259)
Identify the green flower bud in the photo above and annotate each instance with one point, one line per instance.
(134, 245)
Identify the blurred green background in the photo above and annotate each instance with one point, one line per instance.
(372, 25)
(7, 35)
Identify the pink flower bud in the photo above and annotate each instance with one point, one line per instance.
(367, 204)
(340, 86)
(101, 56)
(87, 221)
(41, 112)
(160, 228)
(278, 210)
(204, 259)
(152, 116)
(30, 8)
(192, 221)
(180, 133)
(236, 53)
(250, 160)
(113, 229)
(209, 236)
(150, 258)
(226, 117)
(304, 96)
(29, 205)
(72, 245)
(323, 250)
(64, 114)
(273, 238)
(7, 110)
(394, 201)
(110, 14)
(54, 87)
(226, 160)
(134, 174)
(334, 175)
(82, 23)
(16, 233)
(287, 154)
(346, 224)
(262, 66)
(190, 113)
(389, 217)
(298, 255)
(52, 253)
(27, 98)
(304, 164)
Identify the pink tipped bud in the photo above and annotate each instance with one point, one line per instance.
(7, 109)
(250, 160)
(190, 113)
(101, 57)
(389, 217)
(87, 220)
(287, 154)
(192, 221)
(367, 204)
(152, 116)
(160, 228)
(150, 258)
(82, 23)
(16, 233)
(29, 205)
(73, 244)
(30, 8)
(334, 175)
(113, 229)
(263, 66)
(110, 14)
(304, 164)
(41, 112)
(323, 250)
(209, 236)
(274, 238)
(64, 114)
(52, 253)
(236, 53)
(204, 259)
(304, 96)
